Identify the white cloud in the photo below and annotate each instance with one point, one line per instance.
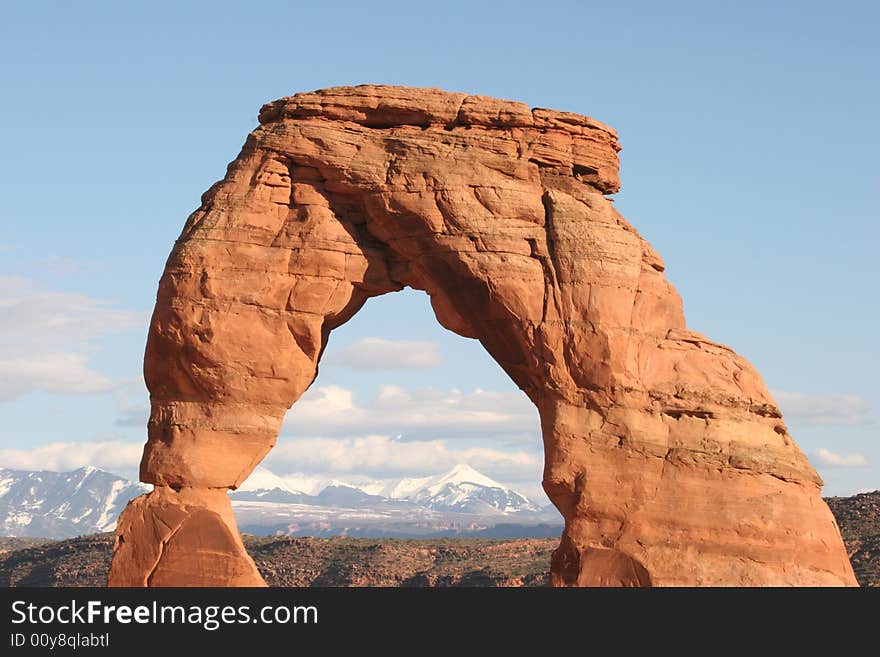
(419, 414)
(830, 459)
(46, 338)
(133, 415)
(61, 372)
(380, 354)
(114, 455)
(378, 457)
(823, 409)
(33, 317)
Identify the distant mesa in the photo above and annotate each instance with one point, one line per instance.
(665, 453)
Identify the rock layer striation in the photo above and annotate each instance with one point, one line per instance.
(664, 451)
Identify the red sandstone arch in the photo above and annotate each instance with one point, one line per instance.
(663, 450)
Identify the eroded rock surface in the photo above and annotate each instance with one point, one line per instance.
(664, 451)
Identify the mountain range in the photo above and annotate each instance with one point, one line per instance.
(462, 489)
(460, 502)
(62, 504)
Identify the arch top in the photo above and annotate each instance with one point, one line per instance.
(383, 106)
(578, 144)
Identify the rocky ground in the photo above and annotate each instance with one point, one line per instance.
(342, 561)
(10, 544)
(859, 520)
(402, 562)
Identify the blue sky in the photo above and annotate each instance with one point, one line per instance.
(750, 140)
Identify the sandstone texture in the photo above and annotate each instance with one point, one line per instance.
(664, 451)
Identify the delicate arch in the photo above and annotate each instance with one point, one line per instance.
(664, 452)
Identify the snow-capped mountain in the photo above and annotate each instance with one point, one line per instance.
(460, 502)
(462, 489)
(62, 504)
(265, 486)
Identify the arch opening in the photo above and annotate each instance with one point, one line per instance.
(399, 398)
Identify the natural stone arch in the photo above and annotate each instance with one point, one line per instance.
(664, 451)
